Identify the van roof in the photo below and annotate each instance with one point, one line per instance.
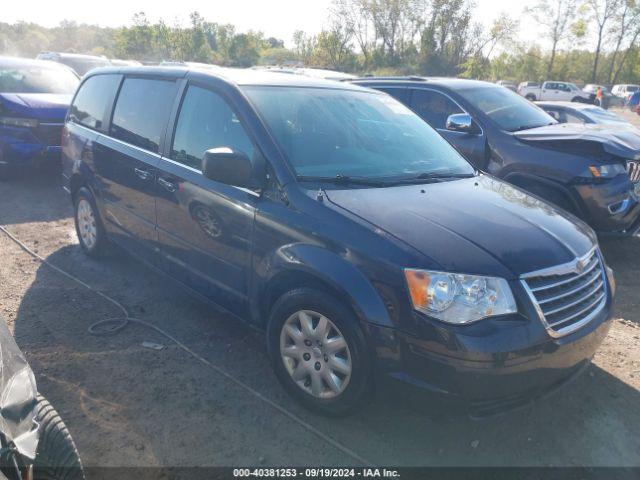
(448, 82)
(237, 76)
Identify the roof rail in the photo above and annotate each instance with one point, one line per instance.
(392, 77)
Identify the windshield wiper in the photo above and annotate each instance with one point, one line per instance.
(434, 177)
(444, 175)
(528, 127)
(344, 180)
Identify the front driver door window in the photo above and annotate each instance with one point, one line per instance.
(205, 226)
(434, 108)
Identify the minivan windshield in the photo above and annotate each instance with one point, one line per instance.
(37, 79)
(338, 133)
(508, 109)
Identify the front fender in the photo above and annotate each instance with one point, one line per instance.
(328, 268)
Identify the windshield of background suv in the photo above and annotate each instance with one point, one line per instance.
(331, 133)
(508, 109)
(37, 79)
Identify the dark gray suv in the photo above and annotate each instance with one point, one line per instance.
(592, 171)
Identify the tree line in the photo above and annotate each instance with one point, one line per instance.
(588, 41)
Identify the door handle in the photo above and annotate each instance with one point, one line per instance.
(142, 174)
(167, 185)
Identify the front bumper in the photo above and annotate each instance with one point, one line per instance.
(493, 365)
(613, 206)
(21, 148)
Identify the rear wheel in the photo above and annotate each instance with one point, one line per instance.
(319, 352)
(531, 97)
(56, 457)
(91, 233)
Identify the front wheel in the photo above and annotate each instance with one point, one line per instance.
(319, 352)
(56, 457)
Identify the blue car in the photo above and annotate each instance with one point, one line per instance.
(34, 98)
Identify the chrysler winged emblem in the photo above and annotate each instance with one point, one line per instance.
(579, 267)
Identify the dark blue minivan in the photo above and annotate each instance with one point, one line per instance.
(335, 219)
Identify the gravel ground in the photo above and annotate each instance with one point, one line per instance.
(127, 405)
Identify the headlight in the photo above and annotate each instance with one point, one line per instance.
(607, 171)
(457, 298)
(19, 122)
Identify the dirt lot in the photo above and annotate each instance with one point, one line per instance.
(131, 406)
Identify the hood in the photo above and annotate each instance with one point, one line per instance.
(621, 142)
(18, 395)
(43, 106)
(478, 225)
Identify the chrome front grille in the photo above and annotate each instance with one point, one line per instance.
(568, 296)
(633, 169)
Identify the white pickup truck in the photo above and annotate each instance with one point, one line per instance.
(562, 91)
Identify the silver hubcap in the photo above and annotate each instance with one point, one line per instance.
(87, 223)
(316, 354)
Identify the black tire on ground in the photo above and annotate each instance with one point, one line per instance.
(101, 244)
(531, 97)
(359, 388)
(579, 100)
(57, 456)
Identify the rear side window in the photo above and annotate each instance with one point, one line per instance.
(92, 100)
(571, 118)
(399, 94)
(142, 110)
(206, 121)
(433, 107)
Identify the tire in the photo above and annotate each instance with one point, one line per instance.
(579, 100)
(531, 97)
(57, 456)
(91, 233)
(355, 388)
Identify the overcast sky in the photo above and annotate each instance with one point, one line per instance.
(278, 18)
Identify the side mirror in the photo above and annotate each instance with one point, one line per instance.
(460, 122)
(228, 166)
